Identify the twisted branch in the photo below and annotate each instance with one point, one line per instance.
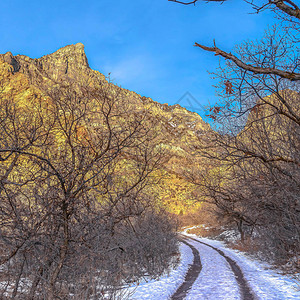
(257, 70)
(286, 6)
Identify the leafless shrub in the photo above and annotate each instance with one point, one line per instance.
(75, 209)
(254, 171)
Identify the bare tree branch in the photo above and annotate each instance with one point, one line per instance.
(184, 3)
(286, 6)
(257, 70)
(194, 2)
(292, 9)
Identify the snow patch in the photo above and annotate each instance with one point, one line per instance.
(166, 286)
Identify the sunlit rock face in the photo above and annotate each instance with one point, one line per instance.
(69, 62)
(25, 79)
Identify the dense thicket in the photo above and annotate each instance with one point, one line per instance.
(253, 177)
(78, 218)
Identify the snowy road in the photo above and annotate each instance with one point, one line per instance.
(191, 275)
(219, 279)
(216, 278)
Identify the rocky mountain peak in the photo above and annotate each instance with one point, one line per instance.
(9, 58)
(69, 56)
(68, 62)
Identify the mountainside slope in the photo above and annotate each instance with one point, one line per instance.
(25, 79)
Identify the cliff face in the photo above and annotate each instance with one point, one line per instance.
(69, 63)
(25, 78)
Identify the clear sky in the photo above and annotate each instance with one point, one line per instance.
(147, 45)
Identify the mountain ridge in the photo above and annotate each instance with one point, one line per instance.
(177, 128)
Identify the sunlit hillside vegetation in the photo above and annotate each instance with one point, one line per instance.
(90, 176)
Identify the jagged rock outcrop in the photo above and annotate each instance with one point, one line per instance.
(69, 62)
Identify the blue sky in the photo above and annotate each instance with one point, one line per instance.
(147, 45)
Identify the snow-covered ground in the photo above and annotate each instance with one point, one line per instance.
(167, 285)
(216, 280)
(264, 282)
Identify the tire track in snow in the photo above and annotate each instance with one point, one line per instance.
(191, 275)
(245, 291)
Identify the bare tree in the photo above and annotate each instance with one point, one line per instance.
(254, 175)
(76, 177)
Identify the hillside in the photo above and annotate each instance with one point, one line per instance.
(25, 79)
